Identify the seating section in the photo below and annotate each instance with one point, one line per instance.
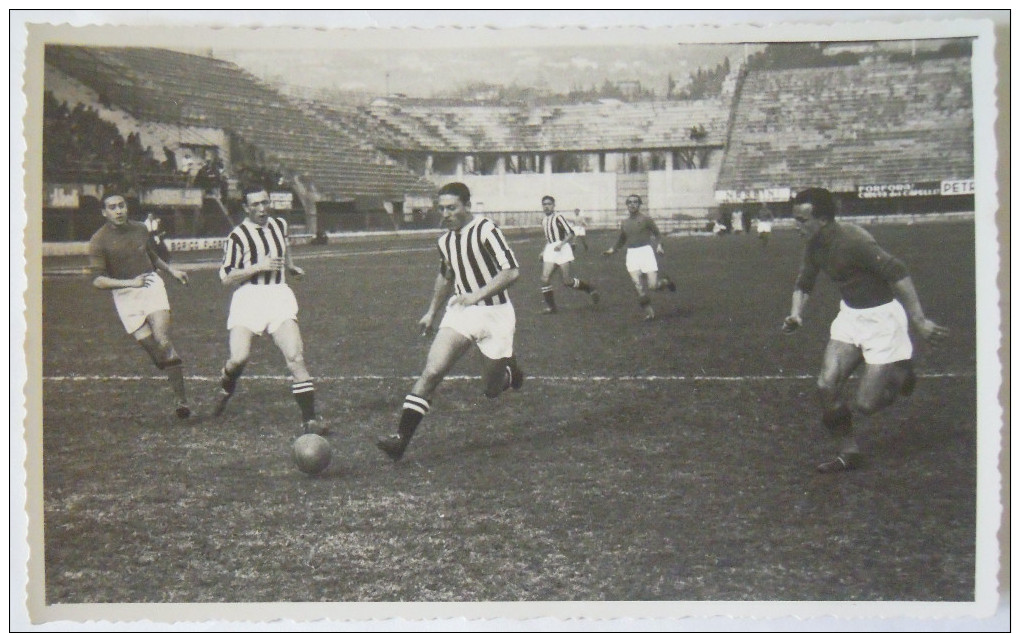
(79, 146)
(846, 126)
(611, 125)
(167, 86)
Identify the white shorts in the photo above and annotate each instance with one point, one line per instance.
(134, 304)
(262, 309)
(642, 260)
(490, 327)
(563, 256)
(764, 227)
(580, 231)
(881, 332)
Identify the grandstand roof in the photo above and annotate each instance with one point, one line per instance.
(607, 126)
(846, 126)
(184, 89)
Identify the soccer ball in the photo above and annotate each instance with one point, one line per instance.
(312, 453)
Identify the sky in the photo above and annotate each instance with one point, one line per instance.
(425, 72)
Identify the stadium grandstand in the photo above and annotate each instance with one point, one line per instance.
(886, 137)
(889, 135)
(198, 112)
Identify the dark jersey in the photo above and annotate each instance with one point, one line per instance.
(636, 231)
(122, 252)
(474, 255)
(851, 257)
(248, 244)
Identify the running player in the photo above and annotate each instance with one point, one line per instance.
(639, 232)
(559, 253)
(476, 267)
(257, 260)
(123, 259)
(878, 304)
(580, 223)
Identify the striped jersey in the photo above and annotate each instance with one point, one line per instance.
(248, 244)
(475, 254)
(556, 228)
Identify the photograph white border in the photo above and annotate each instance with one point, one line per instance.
(696, 27)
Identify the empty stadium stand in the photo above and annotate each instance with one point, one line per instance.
(847, 126)
(607, 126)
(161, 85)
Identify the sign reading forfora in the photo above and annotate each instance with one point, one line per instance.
(899, 190)
(958, 187)
(736, 196)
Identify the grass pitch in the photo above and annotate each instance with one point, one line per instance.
(660, 461)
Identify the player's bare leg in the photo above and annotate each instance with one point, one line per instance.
(547, 289)
(838, 363)
(641, 285)
(578, 284)
(154, 337)
(240, 349)
(447, 348)
(288, 338)
(879, 386)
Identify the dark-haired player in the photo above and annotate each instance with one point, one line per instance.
(256, 261)
(639, 233)
(476, 267)
(878, 304)
(558, 253)
(123, 259)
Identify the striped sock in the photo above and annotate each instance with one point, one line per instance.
(304, 393)
(577, 284)
(415, 408)
(547, 294)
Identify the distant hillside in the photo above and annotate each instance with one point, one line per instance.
(432, 72)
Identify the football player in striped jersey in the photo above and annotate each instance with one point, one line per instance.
(256, 262)
(476, 267)
(558, 253)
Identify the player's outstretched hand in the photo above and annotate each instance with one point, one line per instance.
(425, 326)
(180, 276)
(933, 332)
(790, 324)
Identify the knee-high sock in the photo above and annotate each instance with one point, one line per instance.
(547, 294)
(415, 408)
(304, 393)
(578, 284)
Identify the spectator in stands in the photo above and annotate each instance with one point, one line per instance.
(747, 218)
(123, 259)
(879, 302)
(256, 262)
(558, 253)
(581, 228)
(156, 232)
(205, 179)
(171, 160)
(639, 232)
(478, 311)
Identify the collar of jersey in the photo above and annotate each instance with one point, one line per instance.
(251, 224)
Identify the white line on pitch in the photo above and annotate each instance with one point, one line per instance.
(462, 377)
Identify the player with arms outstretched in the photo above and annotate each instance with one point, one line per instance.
(879, 302)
